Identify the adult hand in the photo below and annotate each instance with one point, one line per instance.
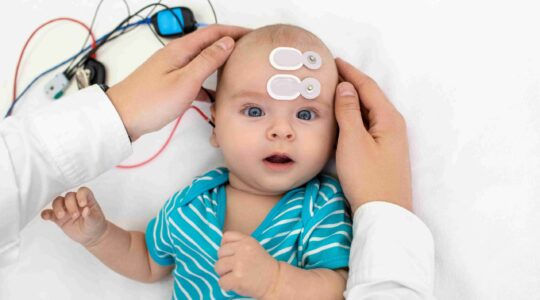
(373, 159)
(164, 86)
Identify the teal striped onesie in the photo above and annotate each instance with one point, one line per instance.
(310, 227)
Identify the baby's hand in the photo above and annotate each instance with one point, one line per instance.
(79, 216)
(245, 267)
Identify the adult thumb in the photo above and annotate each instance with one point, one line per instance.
(210, 59)
(347, 108)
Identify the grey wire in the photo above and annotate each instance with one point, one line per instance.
(127, 7)
(156, 35)
(213, 11)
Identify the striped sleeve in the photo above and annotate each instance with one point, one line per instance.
(328, 235)
(158, 240)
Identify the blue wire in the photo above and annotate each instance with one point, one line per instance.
(65, 62)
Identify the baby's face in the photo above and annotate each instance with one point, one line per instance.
(271, 146)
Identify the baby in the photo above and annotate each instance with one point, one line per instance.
(267, 226)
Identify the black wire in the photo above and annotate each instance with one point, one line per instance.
(108, 37)
(212, 99)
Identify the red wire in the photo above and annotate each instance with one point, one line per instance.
(32, 35)
(165, 144)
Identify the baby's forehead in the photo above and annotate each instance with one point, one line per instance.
(251, 66)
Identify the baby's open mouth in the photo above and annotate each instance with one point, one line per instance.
(279, 159)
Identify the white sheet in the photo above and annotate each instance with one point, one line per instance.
(464, 74)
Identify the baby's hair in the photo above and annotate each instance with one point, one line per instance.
(279, 34)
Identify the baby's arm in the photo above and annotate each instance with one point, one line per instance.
(125, 252)
(245, 267)
(81, 218)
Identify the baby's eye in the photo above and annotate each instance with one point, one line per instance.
(253, 112)
(305, 115)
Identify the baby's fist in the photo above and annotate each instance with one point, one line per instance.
(79, 216)
(245, 267)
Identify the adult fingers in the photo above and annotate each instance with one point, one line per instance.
(347, 109)
(370, 94)
(210, 59)
(182, 50)
(382, 115)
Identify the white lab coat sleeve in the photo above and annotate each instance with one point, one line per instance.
(392, 255)
(51, 150)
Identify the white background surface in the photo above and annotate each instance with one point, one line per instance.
(464, 74)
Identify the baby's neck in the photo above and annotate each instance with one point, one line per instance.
(246, 210)
(241, 193)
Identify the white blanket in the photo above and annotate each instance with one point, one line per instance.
(466, 76)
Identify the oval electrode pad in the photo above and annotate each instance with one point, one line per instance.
(289, 87)
(287, 58)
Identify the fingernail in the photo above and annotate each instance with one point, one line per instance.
(225, 43)
(346, 89)
(61, 214)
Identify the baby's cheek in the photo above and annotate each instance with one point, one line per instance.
(242, 150)
(319, 151)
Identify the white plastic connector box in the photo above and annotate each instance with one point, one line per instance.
(56, 87)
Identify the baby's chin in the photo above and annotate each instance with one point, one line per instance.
(280, 186)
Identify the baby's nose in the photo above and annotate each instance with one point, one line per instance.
(288, 136)
(281, 130)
